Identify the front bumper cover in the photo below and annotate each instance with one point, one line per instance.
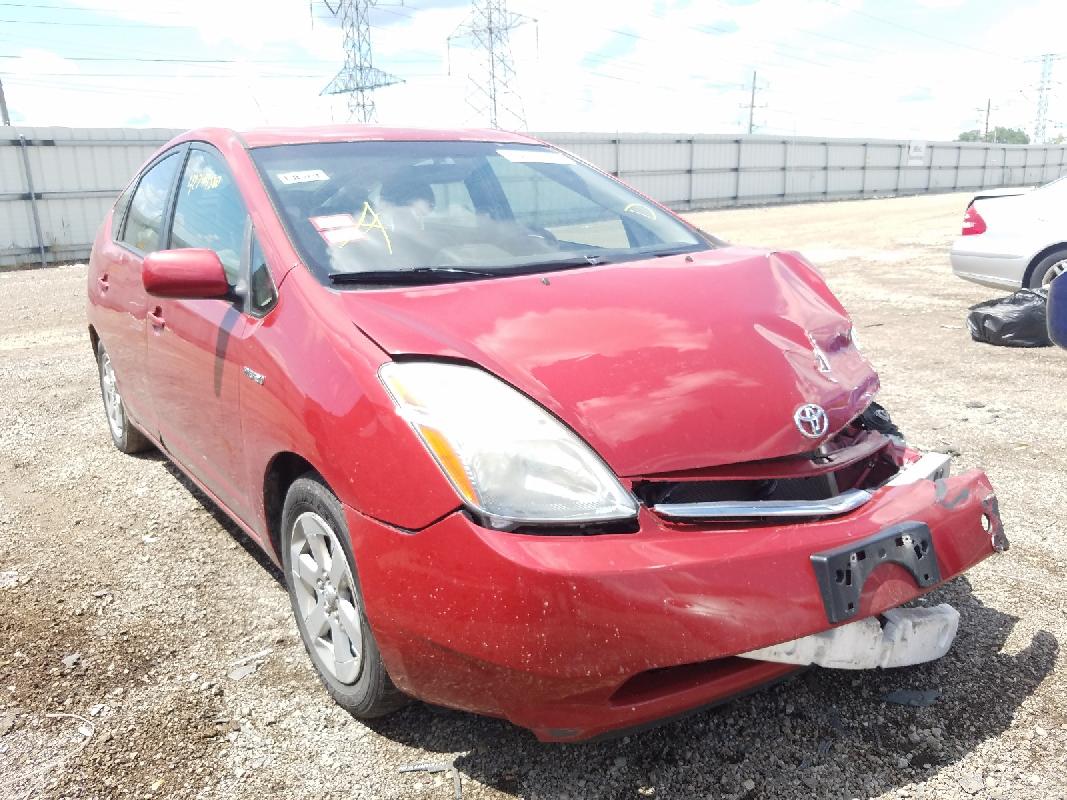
(575, 637)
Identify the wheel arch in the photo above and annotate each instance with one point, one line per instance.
(282, 470)
(1043, 254)
(94, 339)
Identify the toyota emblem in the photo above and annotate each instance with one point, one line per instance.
(811, 420)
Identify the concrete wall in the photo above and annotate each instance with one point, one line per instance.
(76, 174)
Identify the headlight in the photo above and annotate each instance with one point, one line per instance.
(506, 456)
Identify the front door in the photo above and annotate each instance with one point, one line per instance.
(194, 347)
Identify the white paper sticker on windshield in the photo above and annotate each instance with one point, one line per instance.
(302, 176)
(540, 155)
(332, 221)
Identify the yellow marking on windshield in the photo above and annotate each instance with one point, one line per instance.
(370, 221)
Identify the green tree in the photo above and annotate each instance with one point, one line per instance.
(999, 134)
(1009, 136)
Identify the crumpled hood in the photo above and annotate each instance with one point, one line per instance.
(660, 365)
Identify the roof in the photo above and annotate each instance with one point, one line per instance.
(266, 137)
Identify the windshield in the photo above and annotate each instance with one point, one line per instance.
(487, 208)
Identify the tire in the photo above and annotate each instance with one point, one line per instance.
(1042, 273)
(327, 601)
(124, 434)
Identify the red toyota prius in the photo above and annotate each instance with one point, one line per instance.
(523, 441)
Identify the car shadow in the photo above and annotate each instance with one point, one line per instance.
(250, 546)
(823, 733)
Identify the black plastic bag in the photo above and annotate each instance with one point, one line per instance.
(876, 418)
(1018, 320)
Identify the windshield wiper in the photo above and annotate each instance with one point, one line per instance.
(590, 260)
(678, 251)
(415, 276)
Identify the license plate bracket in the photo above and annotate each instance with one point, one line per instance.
(842, 571)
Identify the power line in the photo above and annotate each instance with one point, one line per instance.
(125, 59)
(158, 75)
(918, 32)
(68, 24)
(155, 9)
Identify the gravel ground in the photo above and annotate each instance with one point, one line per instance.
(147, 651)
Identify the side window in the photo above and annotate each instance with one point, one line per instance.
(144, 227)
(209, 211)
(539, 202)
(121, 205)
(262, 293)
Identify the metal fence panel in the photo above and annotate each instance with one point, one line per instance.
(78, 172)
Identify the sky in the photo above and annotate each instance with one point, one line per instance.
(898, 69)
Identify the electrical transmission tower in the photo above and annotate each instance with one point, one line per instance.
(359, 77)
(1043, 90)
(493, 93)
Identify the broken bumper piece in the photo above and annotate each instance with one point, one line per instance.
(910, 636)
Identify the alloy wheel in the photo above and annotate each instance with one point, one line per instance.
(326, 597)
(1056, 269)
(112, 398)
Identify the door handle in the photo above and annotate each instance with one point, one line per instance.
(102, 282)
(155, 317)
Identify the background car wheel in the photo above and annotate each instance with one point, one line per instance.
(1048, 268)
(328, 602)
(125, 436)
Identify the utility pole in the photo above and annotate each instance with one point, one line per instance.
(1043, 90)
(752, 104)
(983, 127)
(493, 94)
(4, 118)
(358, 78)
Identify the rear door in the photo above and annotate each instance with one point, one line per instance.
(115, 286)
(194, 347)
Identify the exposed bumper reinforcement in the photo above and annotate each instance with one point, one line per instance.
(932, 466)
(910, 636)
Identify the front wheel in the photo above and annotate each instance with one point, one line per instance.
(123, 433)
(328, 603)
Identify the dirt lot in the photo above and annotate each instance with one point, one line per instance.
(127, 601)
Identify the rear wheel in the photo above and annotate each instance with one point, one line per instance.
(1051, 266)
(123, 433)
(328, 603)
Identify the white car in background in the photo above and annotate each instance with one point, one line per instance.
(1014, 238)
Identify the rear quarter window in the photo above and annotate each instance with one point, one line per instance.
(144, 224)
(119, 215)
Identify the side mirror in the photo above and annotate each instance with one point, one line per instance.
(188, 273)
(1057, 311)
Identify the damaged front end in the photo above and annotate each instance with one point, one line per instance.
(867, 459)
(900, 637)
